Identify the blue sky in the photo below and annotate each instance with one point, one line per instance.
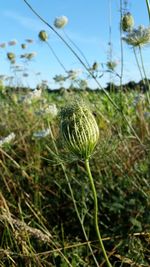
(88, 27)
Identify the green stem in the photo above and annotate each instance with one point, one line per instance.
(74, 201)
(80, 51)
(148, 8)
(96, 212)
(137, 62)
(146, 80)
(53, 52)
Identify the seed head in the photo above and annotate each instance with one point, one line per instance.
(23, 46)
(11, 56)
(138, 37)
(43, 36)
(127, 22)
(79, 130)
(111, 65)
(60, 22)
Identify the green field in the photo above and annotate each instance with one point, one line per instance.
(47, 208)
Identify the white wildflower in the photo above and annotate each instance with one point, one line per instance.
(59, 78)
(34, 95)
(60, 22)
(8, 139)
(73, 74)
(41, 134)
(138, 37)
(52, 110)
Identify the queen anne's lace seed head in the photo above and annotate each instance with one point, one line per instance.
(138, 37)
(60, 22)
(79, 130)
(43, 36)
(111, 65)
(23, 46)
(127, 22)
(11, 56)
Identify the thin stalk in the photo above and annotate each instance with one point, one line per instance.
(142, 62)
(110, 39)
(79, 217)
(148, 8)
(121, 54)
(145, 76)
(79, 50)
(74, 201)
(96, 212)
(137, 62)
(53, 52)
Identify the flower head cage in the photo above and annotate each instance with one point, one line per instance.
(11, 56)
(60, 22)
(43, 36)
(127, 22)
(79, 130)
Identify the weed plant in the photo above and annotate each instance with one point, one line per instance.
(46, 204)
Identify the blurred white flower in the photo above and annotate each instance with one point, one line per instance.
(138, 98)
(41, 134)
(111, 65)
(59, 78)
(138, 37)
(60, 22)
(8, 139)
(73, 74)
(52, 110)
(36, 94)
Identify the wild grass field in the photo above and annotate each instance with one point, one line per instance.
(46, 201)
(75, 165)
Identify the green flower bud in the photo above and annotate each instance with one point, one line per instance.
(23, 46)
(79, 130)
(127, 22)
(43, 36)
(11, 56)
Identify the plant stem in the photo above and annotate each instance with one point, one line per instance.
(148, 8)
(53, 52)
(80, 51)
(96, 212)
(145, 76)
(137, 62)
